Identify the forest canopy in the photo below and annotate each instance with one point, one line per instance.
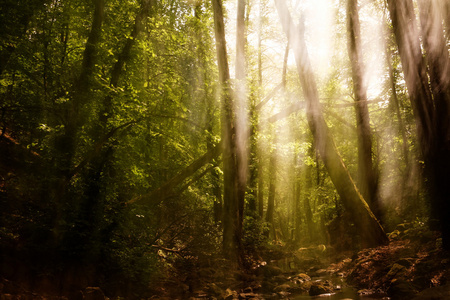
(140, 137)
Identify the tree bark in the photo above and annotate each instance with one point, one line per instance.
(66, 145)
(430, 102)
(371, 232)
(438, 59)
(241, 124)
(272, 190)
(367, 175)
(231, 237)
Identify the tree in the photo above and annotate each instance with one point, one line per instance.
(371, 231)
(431, 104)
(367, 175)
(231, 226)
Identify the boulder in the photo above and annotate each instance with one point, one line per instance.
(319, 288)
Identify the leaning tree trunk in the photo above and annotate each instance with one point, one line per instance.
(372, 234)
(367, 175)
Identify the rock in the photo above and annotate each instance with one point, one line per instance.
(395, 271)
(281, 288)
(319, 288)
(283, 294)
(304, 277)
(434, 293)
(365, 292)
(214, 290)
(300, 278)
(94, 293)
(401, 289)
(254, 286)
(229, 294)
(248, 296)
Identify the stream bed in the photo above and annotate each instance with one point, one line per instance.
(342, 292)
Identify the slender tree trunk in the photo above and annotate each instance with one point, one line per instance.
(371, 232)
(367, 175)
(260, 192)
(272, 191)
(396, 106)
(259, 166)
(67, 144)
(231, 237)
(297, 210)
(308, 198)
(253, 167)
(241, 124)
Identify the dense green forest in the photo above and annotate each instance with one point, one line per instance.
(191, 149)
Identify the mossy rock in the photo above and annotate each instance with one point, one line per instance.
(396, 271)
(319, 288)
(300, 278)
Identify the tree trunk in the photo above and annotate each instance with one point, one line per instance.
(272, 191)
(432, 122)
(260, 192)
(371, 232)
(297, 211)
(66, 145)
(241, 124)
(231, 237)
(438, 60)
(367, 175)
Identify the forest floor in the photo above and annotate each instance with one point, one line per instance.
(412, 266)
